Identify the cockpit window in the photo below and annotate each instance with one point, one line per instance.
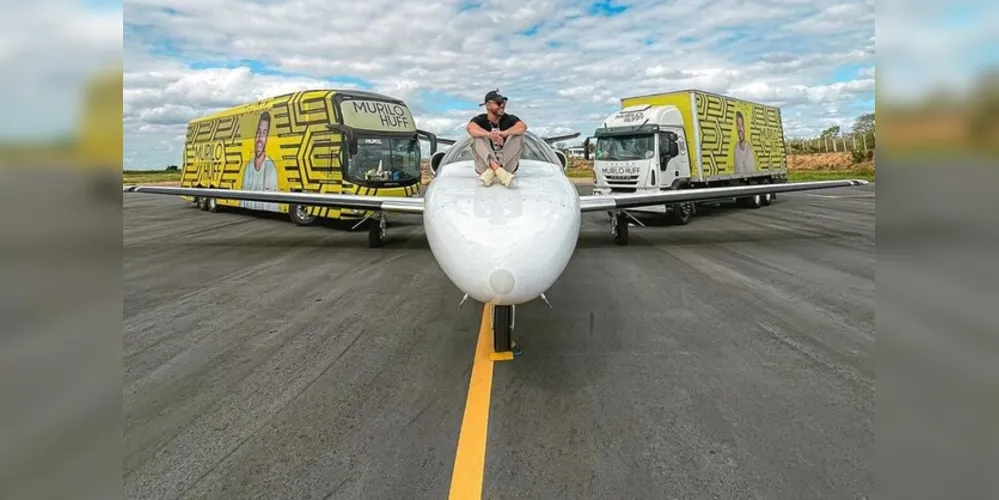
(534, 149)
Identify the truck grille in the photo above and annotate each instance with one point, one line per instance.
(622, 179)
(622, 183)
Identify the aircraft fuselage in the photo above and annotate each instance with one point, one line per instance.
(502, 245)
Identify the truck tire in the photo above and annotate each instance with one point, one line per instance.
(682, 213)
(299, 214)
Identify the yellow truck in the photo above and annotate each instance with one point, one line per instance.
(688, 139)
(316, 141)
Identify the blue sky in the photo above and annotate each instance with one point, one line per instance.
(565, 64)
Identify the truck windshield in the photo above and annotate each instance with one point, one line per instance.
(625, 147)
(384, 160)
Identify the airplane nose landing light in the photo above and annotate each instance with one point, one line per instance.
(501, 281)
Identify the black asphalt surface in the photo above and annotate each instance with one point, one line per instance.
(729, 358)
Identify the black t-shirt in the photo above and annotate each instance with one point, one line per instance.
(506, 121)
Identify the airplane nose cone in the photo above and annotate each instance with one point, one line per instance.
(501, 281)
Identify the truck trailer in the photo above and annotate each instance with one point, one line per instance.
(688, 139)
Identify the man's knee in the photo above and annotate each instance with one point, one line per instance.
(482, 147)
(514, 143)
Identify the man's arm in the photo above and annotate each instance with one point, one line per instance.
(519, 128)
(476, 130)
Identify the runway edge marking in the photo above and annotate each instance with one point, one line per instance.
(470, 459)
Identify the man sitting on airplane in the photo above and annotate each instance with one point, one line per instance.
(498, 140)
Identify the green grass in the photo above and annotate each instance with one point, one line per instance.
(137, 176)
(829, 175)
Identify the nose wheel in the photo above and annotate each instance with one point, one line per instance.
(503, 319)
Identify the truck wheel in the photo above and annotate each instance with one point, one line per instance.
(299, 214)
(502, 328)
(621, 229)
(767, 198)
(212, 205)
(203, 203)
(682, 212)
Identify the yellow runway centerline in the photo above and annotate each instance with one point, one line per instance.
(470, 460)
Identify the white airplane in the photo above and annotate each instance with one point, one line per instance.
(502, 246)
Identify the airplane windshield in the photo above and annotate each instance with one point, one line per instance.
(534, 149)
(385, 160)
(625, 147)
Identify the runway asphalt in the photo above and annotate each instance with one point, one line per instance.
(729, 358)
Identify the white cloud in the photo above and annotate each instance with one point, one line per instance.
(568, 76)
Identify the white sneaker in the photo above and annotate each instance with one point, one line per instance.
(487, 177)
(505, 177)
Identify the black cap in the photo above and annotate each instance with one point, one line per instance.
(493, 95)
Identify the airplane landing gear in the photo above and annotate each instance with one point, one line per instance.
(619, 227)
(503, 322)
(377, 227)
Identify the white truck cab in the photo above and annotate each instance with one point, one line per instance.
(640, 148)
(688, 139)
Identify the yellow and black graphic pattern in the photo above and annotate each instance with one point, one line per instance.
(719, 127)
(305, 154)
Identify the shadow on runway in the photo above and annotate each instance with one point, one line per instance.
(646, 237)
(556, 343)
(308, 240)
(394, 220)
(659, 231)
(704, 212)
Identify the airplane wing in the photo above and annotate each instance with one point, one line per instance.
(554, 139)
(373, 203)
(594, 203)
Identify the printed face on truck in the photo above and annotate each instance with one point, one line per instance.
(740, 126)
(263, 128)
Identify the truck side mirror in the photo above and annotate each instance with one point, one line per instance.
(586, 149)
(674, 148)
(562, 159)
(431, 138)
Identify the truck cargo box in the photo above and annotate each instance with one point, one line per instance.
(712, 125)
